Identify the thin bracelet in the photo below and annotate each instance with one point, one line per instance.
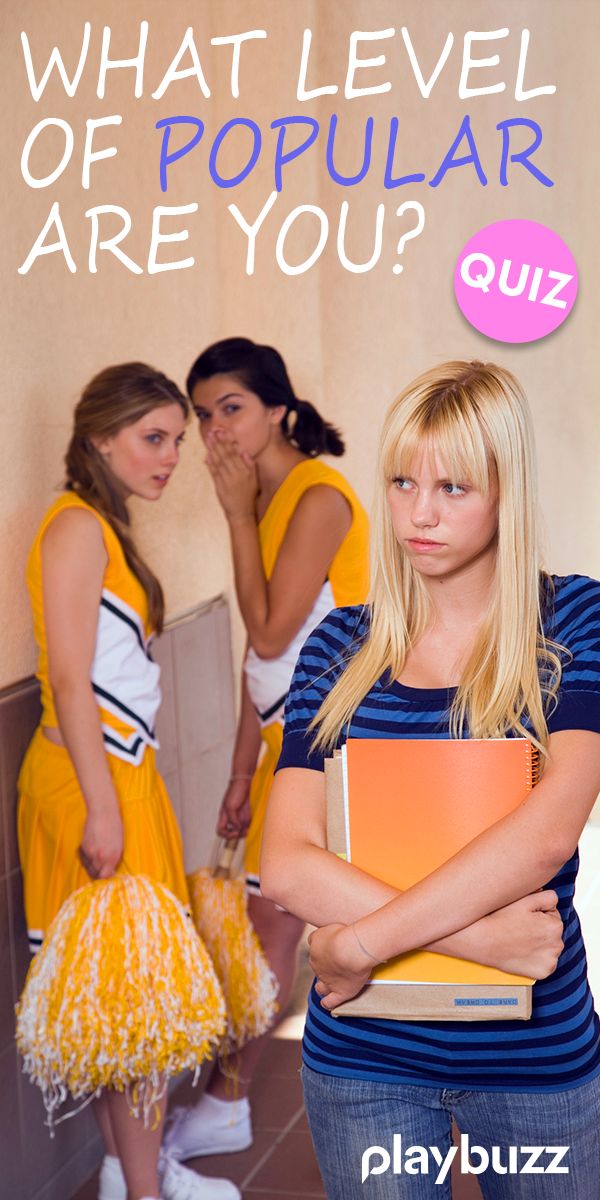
(364, 948)
(232, 778)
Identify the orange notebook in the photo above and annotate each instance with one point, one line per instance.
(408, 806)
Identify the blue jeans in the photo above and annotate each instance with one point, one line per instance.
(353, 1123)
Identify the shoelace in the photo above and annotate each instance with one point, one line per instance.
(180, 1176)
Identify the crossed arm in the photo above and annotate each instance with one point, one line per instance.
(456, 908)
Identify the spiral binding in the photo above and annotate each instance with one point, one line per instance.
(534, 772)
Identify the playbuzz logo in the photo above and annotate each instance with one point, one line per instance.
(473, 1160)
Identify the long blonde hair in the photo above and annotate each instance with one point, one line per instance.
(477, 417)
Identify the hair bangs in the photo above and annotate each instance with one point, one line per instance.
(445, 427)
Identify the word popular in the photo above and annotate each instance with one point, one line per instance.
(191, 148)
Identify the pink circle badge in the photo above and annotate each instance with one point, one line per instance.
(515, 281)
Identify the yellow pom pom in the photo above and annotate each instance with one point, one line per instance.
(249, 986)
(121, 995)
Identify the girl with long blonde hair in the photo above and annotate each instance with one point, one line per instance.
(464, 635)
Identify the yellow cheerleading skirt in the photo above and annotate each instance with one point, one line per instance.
(51, 817)
(262, 780)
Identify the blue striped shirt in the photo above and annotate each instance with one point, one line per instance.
(559, 1047)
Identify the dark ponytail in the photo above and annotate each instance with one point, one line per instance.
(311, 433)
(262, 371)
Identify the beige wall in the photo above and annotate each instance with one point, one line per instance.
(351, 340)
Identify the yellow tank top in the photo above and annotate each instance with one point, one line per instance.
(124, 678)
(347, 580)
(349, 570)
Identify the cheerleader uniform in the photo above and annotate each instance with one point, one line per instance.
(268, 680)
(125, 681)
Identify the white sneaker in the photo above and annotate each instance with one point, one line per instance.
(111, 1184)
(179, 1183)
(211, 1126)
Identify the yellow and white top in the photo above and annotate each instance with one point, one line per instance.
(347, 580)
(124, 678)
